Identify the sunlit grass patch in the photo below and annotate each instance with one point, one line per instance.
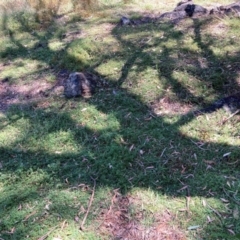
(16, 131)
(111, 68)
(23, 69)
(216, 130)
(56, 45)
(96, 121)
(193, 214)
(80, 54)
(138, 83)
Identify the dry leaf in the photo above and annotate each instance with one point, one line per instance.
(150, 167)
(141, 152)
(122, 141)
(231, 231)
(182, 210)
(194, 227)
(226, 154)
(209, 162)
(236, 213)
(76, 219)
(209, 219)
(148, 119)
(224, 200)
(47, 207)
(130, 149)
(182, 188)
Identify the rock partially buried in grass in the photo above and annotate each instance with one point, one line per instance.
(190, 8)
(231, 9)
(125, 21)
(80, 84)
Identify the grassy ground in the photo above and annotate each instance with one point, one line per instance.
(130, 159)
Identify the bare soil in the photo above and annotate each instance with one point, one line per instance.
(118, 222)
(25, 93)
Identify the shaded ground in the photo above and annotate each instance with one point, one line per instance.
(28, 92)
(38, 91)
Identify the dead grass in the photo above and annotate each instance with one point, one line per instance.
(166, 106)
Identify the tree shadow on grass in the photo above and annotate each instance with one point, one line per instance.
(115, 138)
(174, 56)
(134, 152)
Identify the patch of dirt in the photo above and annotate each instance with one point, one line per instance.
(40, 90)
(217, 28)
(166, 106)
(120, 222)
(70, 36)
(100, 31)
(25, 93)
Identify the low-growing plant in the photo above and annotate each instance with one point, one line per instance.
(45, 10)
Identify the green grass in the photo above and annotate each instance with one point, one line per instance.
(174, 168)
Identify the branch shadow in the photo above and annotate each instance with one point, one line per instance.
(138, 150)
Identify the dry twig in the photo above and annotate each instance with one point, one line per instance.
(217, 213)
(28, 216)
(225, 120)
(89, 205)
(188, 201)
(232, 198)
(48, 233)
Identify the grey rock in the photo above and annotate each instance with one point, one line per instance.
(190, 9)
(231, 9)
(125, 21)
(79, 84)
(232, 6)
(183, 2)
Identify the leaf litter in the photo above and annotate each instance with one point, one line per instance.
(124, 219)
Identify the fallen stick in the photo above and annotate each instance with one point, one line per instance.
(89, 206)
(232, 198)
(48, 233)
(236, 112)
(188, 198)
(28, 216)
(217, 213)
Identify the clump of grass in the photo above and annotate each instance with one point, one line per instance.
(87, 5)
(45, 10)
(80, 54)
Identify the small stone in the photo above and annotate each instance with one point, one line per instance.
(125, 21)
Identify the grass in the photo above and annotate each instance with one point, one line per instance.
(156, 167)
